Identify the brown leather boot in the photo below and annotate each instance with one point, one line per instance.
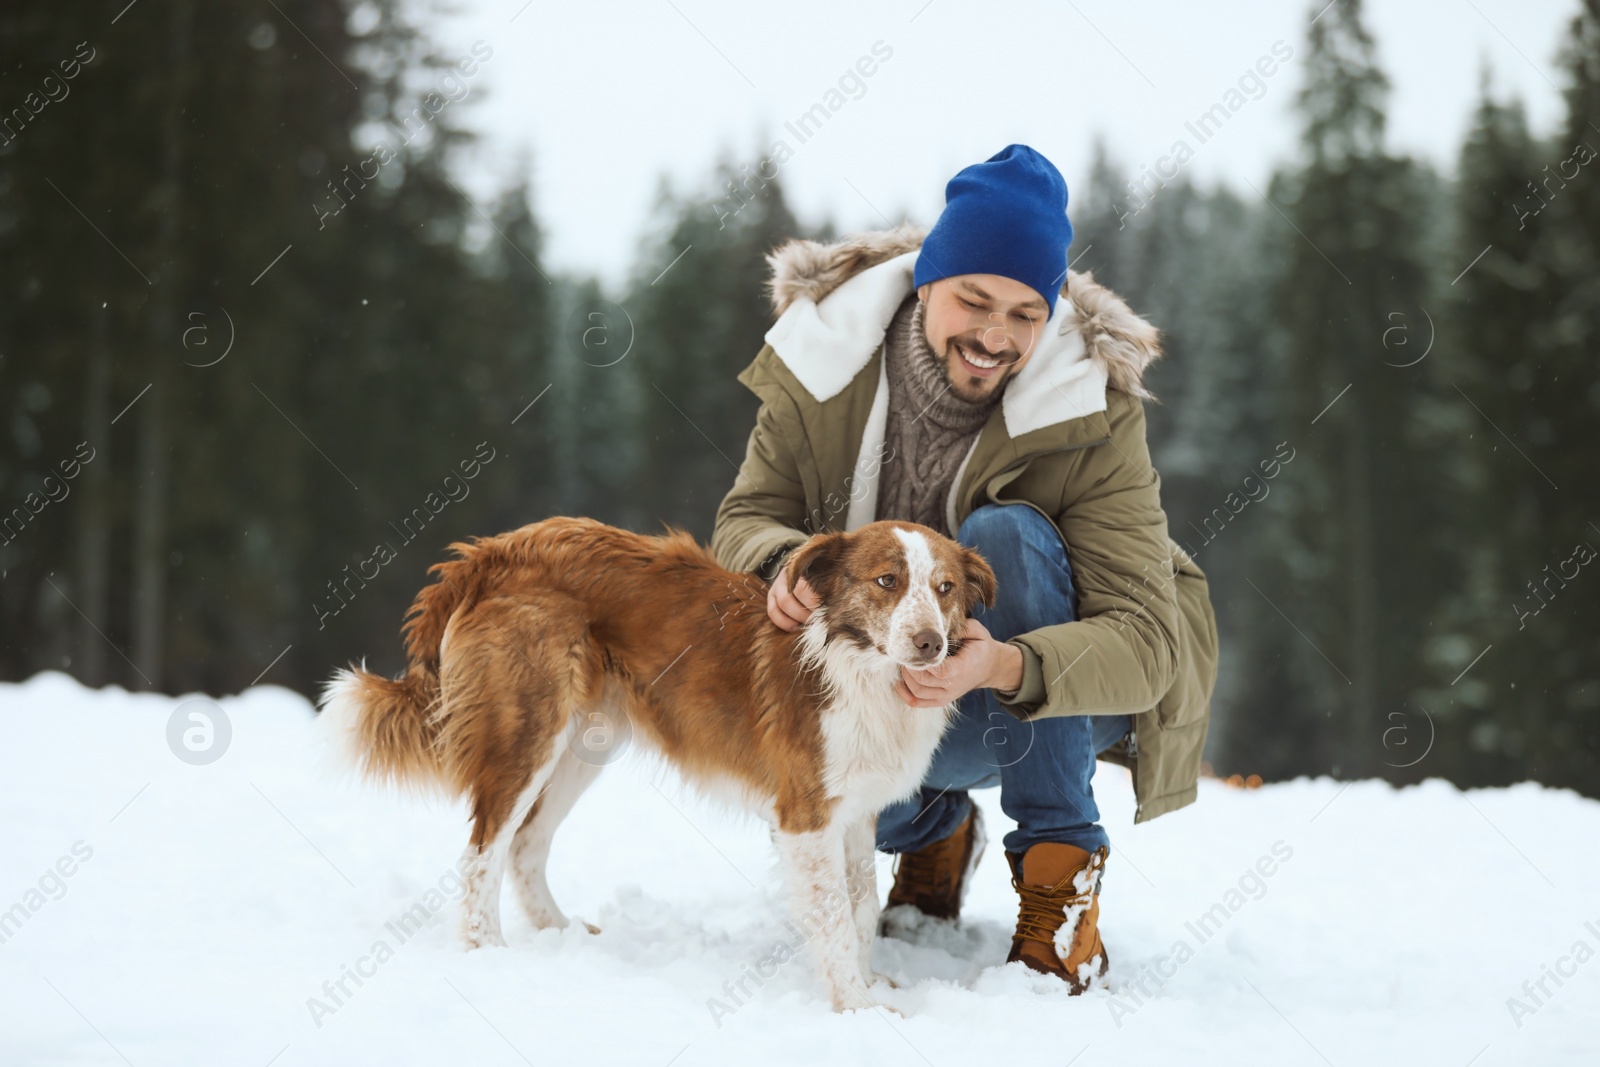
(1058, 926)
(934, 879)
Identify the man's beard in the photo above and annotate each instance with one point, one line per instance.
(970, 387)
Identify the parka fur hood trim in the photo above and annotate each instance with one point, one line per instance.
(834, 303)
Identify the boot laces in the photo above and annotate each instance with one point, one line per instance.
(1043, 907)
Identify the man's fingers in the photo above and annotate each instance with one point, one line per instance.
(787, 613)
(775, 609)
(793, 608)
(909, 687)
(786, 609)
(927, 695)
(913, 700)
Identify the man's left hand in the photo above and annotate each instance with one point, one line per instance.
(982, 663)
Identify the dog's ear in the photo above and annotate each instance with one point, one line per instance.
(981, 587)
(817, 561)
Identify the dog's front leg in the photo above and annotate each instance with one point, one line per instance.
(861, 876)
(820, 905)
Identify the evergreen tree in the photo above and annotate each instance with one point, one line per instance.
(1494, 524)
(1558, 741)
(700, 306)
(1358, 591)
(284, 343)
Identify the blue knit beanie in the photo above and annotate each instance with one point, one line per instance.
(1005, 216)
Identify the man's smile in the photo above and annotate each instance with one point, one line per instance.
(979, 363)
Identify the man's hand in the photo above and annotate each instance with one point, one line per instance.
(790, 609)
(982, 663)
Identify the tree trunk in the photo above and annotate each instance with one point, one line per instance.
(150, 528)
(1364, 737)
(94, 512)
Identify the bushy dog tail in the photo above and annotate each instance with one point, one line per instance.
(388, 729)
(384, 728)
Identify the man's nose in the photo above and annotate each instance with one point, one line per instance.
(929, 644)
(995, 337)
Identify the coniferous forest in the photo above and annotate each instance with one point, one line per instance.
(259, 366)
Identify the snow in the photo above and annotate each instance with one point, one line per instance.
(207, 903)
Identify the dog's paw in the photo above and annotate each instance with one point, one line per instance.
(589, 926)
(477, 934)
(904, 922)
(853, 997)
(878, 976)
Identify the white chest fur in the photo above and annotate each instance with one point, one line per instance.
(876, 750)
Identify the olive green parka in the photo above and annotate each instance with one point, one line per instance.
(1067, 439)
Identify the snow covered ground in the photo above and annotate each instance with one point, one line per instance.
(162, 911)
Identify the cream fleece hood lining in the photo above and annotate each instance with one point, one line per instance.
(834, 301)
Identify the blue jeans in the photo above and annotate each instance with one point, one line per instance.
(1042, 767)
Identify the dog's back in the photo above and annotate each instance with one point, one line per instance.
(523, 635)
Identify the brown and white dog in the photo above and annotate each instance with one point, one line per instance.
(528, 634)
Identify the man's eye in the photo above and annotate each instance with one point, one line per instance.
(886, 580)
(945, 587)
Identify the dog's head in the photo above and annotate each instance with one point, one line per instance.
(896, 589)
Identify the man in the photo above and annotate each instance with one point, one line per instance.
(940, 380)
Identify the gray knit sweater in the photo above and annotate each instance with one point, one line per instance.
(929, 428)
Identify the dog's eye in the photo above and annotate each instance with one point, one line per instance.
(886, 580)
(945, 587)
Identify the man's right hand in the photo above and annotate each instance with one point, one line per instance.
(790, 609)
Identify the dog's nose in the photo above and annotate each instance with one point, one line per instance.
(929, 644)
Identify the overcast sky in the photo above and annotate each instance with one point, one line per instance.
(602, 98)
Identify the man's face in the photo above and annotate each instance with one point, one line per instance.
(985, 326)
